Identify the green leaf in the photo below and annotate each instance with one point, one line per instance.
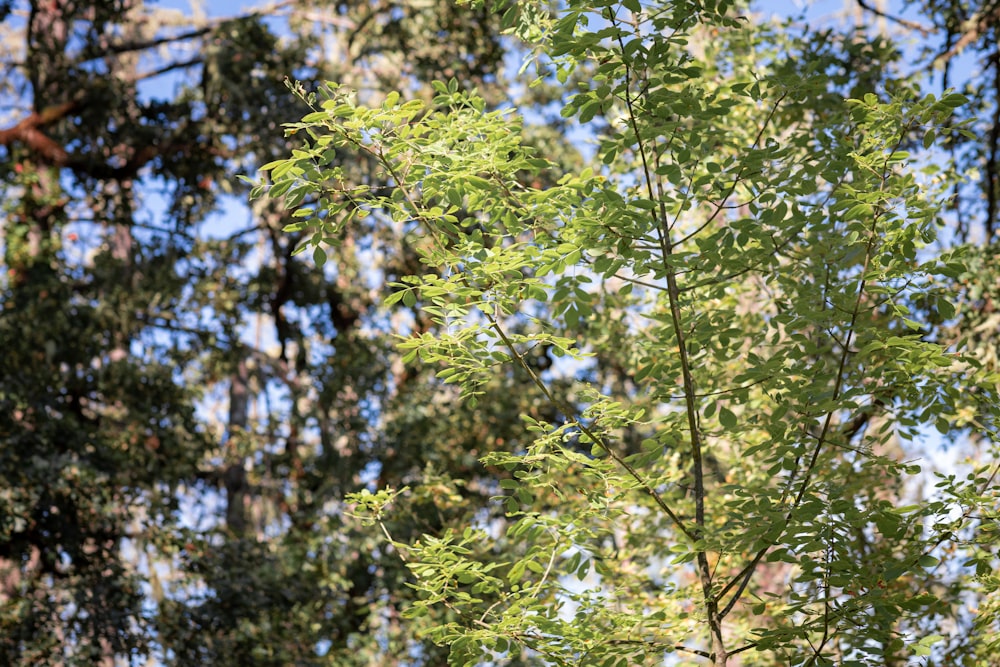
(319, 256)
(954, 100)
(927, 561)
(929, 137)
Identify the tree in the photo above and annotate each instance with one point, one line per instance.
(743, 290)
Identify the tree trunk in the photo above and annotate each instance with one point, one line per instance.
(235, 476)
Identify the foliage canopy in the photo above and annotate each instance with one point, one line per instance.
(743, 294)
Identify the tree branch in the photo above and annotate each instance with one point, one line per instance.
(143, 45)
(906, 23)
(973, 30)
